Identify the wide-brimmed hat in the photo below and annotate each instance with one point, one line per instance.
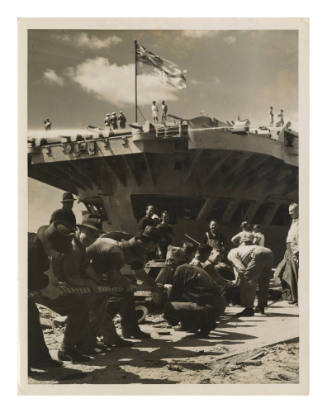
(151, 233)
(68, 197)
(92, 221)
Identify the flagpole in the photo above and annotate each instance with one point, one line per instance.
(135, 44)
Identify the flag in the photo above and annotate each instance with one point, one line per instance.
(169, 72)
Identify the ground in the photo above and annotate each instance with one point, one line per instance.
(259, 349)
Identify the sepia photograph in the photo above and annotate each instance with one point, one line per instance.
(162, 239)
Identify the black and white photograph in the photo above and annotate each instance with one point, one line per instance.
(164, 208)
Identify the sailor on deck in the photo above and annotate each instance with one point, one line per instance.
(121, 120)
(164, 110)
(155, 112)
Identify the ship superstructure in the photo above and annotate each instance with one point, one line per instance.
(197, 169)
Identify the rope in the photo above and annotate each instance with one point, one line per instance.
(68, 290)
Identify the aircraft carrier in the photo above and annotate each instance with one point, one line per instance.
(197, 169)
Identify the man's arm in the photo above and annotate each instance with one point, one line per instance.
(236, 239)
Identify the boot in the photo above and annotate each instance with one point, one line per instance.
(72, 354)
(247, 312)
(44, 364)
(259, 309)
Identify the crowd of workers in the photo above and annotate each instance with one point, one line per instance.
(193, 280)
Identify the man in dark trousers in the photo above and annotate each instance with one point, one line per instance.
(195, 299)
(108, 257)
(65, 214)
(43, 247)
(166, 234)
(74, 268)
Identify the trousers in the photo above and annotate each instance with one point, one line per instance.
(76, 311)
(192, 316)
(258, 272)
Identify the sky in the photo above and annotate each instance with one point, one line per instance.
(75, 77)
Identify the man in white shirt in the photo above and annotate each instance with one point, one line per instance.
(288, 268)
(155, 111)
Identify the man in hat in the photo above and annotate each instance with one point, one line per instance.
(75, 269)
(108, 257)
(252, 266)
(43, 247)
(288, 269)
(65, 214)
(243, 237)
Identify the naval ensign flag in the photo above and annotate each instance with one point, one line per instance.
(169, 72)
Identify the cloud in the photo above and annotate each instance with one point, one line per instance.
(230, 39)
(88, 41)
(50, 76)
(198, 34)
(115, 84)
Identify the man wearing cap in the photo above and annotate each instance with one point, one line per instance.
(288, 269)
(65, 214)
(43, 247)
(243, 237)
(252, 265)
(108, 257)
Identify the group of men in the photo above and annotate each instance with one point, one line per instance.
(64, 253)
(155, 112)
(115, 121)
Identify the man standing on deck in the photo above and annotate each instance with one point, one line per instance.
(288, 269)
(271, 116)
(65, 214)
(164, 110)
(155, 112)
